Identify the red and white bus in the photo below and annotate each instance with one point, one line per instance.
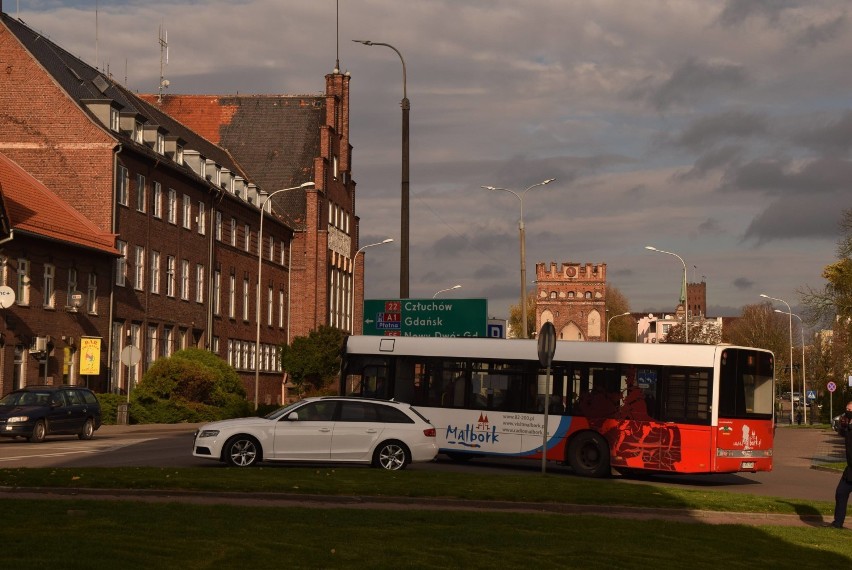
(678, 408)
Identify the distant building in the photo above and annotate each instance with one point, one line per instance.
(572, 296)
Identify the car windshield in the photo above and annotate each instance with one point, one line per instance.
(25, 399)
(283, 411)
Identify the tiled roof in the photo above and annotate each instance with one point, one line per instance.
(34, 209)
(274, 137)
(85, 83)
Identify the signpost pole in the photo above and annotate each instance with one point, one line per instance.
(546, 349)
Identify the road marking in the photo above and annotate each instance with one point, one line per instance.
(75, 450)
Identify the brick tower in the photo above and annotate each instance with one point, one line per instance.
(572, 297)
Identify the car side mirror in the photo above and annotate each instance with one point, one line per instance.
(293, 417)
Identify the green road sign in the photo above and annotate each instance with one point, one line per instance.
(426, 317)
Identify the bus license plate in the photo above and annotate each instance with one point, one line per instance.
(747, 465)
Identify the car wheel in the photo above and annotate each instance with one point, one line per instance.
(39, 431)
(391, 455)
(242, 451)
(588, 455)
(88, 430)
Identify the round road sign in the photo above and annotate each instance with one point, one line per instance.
(832, 386)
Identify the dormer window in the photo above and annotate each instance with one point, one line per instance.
(179, 155)
(160, 143)
(114, 120)
(137, 132)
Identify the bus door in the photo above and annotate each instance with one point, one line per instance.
(685, 443)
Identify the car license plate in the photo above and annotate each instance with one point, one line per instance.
(747, 465)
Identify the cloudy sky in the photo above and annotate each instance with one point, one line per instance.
(720, 131)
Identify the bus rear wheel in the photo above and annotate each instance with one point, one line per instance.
(588, 455)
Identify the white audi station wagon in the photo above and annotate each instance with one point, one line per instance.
(385, 434)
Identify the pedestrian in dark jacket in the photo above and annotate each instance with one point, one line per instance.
(844, 487)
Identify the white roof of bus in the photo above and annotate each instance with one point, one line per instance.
(516, 349)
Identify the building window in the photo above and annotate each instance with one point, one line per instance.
(234, 232)
(232, 298)
(179, 155)
(230, 355)
(187, 212)
(214, 345)
(271, 248)
(155, 272)
(245, 299)
(92, 297)
(157, 206)
(184, 280)
(281, 308)
(218, 229)
(49, 286)
(72, 286)
(141, 194)
(217, 292)
(4, 270)
(202, 218)
(171, 207)
(137, 132)
(170, 276)
(23, 282)
(168, 341)
(247, 236)
(199, 283)
(269, 306)
(152, 344)
(123, 184)
(114, 119)
(139, 269)
(161, 143)
(121, 263)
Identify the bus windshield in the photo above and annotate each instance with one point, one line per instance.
(745, 384)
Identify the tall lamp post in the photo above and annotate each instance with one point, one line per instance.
(610, 320)
(789, 314)
(406, 106)
(520, 197)
(445, 290)
(683, 291)
(259, 279)
(804, 382)
(354, 266)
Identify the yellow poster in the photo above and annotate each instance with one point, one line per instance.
(90, 355)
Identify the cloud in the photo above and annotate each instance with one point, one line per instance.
(799, 216)
(710, 130)
(833, 136)
(737, 11)
(718, 158)
(692, 81)
(743, 283)
(816, 34)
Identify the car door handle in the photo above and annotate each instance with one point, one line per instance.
(325, 430)
(372, 431)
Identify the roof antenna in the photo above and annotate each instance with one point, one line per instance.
(164, 51)
(97, 54)
(337, 38)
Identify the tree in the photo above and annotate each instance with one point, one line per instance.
(192, 385)
(622, 329)
(313, 361)
(515, 318)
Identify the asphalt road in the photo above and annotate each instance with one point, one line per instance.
(793, 476)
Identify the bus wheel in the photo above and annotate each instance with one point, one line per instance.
(588, 455)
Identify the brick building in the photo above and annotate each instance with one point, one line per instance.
(57, 265)
(572, 296)
(283, 141)
(184, 211)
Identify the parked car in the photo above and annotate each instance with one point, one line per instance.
(389, 435)
(35, 412)
(839, 423)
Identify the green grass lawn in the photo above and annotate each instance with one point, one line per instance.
(93, 534)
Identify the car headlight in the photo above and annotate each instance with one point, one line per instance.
(17, 419)
(209, 433)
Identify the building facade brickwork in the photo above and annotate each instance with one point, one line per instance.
(572, 296)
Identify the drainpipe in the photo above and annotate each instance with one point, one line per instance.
(113, 376)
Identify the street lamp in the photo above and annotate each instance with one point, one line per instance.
(445, 290)
(610, 320)
(352, 297)
(259, 279)
(520, 198)
(406, 106)
(790, 315)
(683, 291)
(804, 383)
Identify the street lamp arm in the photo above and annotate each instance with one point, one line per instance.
(404, 87)
(789, 313)
(445, 290)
